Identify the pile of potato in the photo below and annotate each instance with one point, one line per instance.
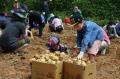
(82, 62)
(52, 58)
(57, 57)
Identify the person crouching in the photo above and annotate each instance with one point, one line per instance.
(54, 44)
(13, 36)
(56, 25)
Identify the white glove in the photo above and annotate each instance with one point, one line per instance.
(80, 55)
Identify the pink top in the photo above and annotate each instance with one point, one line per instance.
(106, 37)
(57, 22)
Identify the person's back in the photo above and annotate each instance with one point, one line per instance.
(37, 20)
(56, 25)
(57, 22)
(34, 17)
(94, 28)
(3, 21)
(11, 34)
(90, 32)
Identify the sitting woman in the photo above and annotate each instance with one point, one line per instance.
(56, 25)
(54, 44)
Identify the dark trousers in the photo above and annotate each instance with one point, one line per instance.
(41, 27)
(16, 45)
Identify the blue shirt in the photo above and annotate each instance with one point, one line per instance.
(42, 18)
(89, 33)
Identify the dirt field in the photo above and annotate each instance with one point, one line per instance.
(14, 66)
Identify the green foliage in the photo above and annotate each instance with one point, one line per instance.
(62, 14)
(101, 9)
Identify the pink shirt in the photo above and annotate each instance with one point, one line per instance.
(106, 37)
(57, 22)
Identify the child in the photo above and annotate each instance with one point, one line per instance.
(89, 38)
(56, 25)
(54, 44)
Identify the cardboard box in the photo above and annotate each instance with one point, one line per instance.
(72, 71)
(46, 71)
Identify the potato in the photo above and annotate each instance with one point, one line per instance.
(53, 57)
(57, 62)
(49, 61)
(37, 56)
(83, 63)
(53, 62)
(88, 62)
(32, 59)
(57, 53)
(47, 51)
(41, 60)
(47, 58)
(63, 53)
(70, 61)
(42, 57)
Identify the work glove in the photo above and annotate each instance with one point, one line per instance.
(80, 55)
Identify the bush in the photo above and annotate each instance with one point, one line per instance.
(104, 9)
